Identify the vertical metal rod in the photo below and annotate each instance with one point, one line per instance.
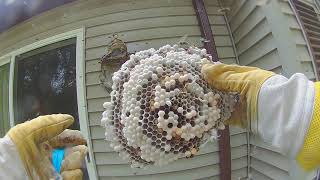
(209, 45)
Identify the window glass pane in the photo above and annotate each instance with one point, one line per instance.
(4, 99)
(46, 82)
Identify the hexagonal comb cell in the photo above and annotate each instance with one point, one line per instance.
(161, 108)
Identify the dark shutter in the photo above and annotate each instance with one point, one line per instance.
(310, 23)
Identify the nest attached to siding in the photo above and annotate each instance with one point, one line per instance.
(161, 108)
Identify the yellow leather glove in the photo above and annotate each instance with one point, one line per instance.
(72, 163)
(76, 174)
(75, 151)
(29, 135)
(247, 81)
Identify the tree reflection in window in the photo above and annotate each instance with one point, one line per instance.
(46, 82)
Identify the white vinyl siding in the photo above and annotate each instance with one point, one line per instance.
(141, 24)
(267, 35)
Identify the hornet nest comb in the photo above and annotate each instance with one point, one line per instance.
(161, 108)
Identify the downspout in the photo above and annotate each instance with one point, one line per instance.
(209, 44)
(238, 62)
(230, 34)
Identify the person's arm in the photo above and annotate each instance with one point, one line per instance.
(11, 166)
(288, 117)
(284, 112)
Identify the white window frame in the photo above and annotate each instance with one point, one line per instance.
(80, 81)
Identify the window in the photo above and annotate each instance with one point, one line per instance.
(4, 99)
(46, 82)
(46, 77)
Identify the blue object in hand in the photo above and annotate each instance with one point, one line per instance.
(57, 157)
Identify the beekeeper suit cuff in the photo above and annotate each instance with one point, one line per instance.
(11, 166)
(285, 108)
(309, 154)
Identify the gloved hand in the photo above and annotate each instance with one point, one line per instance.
(72, 163)
(75, 152)
(234, 78)
(28, 137)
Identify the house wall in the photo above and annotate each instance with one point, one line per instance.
(141, 24)
(267, 35)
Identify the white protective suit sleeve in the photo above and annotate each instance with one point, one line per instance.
(285, 108)
(11, 167)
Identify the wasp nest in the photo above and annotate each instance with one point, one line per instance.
(161, 108)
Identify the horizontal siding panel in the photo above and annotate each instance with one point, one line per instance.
(236, 7)
(228, 60)
(168, 171)
(308, 70)
(143, 23)
(310, 75)
(248, 25)
(212, 3)
(299, 37)
(268, 61)
(256, 141)
(221, 41)
(269, 170)
(95, 105)
(185, 175)
(97, 132)
(286, 9)
(238, 174)
(219, 20)
(240, 17)
(145, 34)
(93, 65)
(259, 176)
(303, 53)
(219, 30)
(236, 130)
(157, 43)
(225, 52)
(98, 8)
(270, 157)
(292, 21)
(97, 53)
(235, 175)
(277, 70)
(212, 10)
(94, 118)
(258, 33)
(97, 91)
(135, 14)
(92, 78)
(258, 50)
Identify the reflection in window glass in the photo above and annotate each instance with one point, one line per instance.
(46, 82)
